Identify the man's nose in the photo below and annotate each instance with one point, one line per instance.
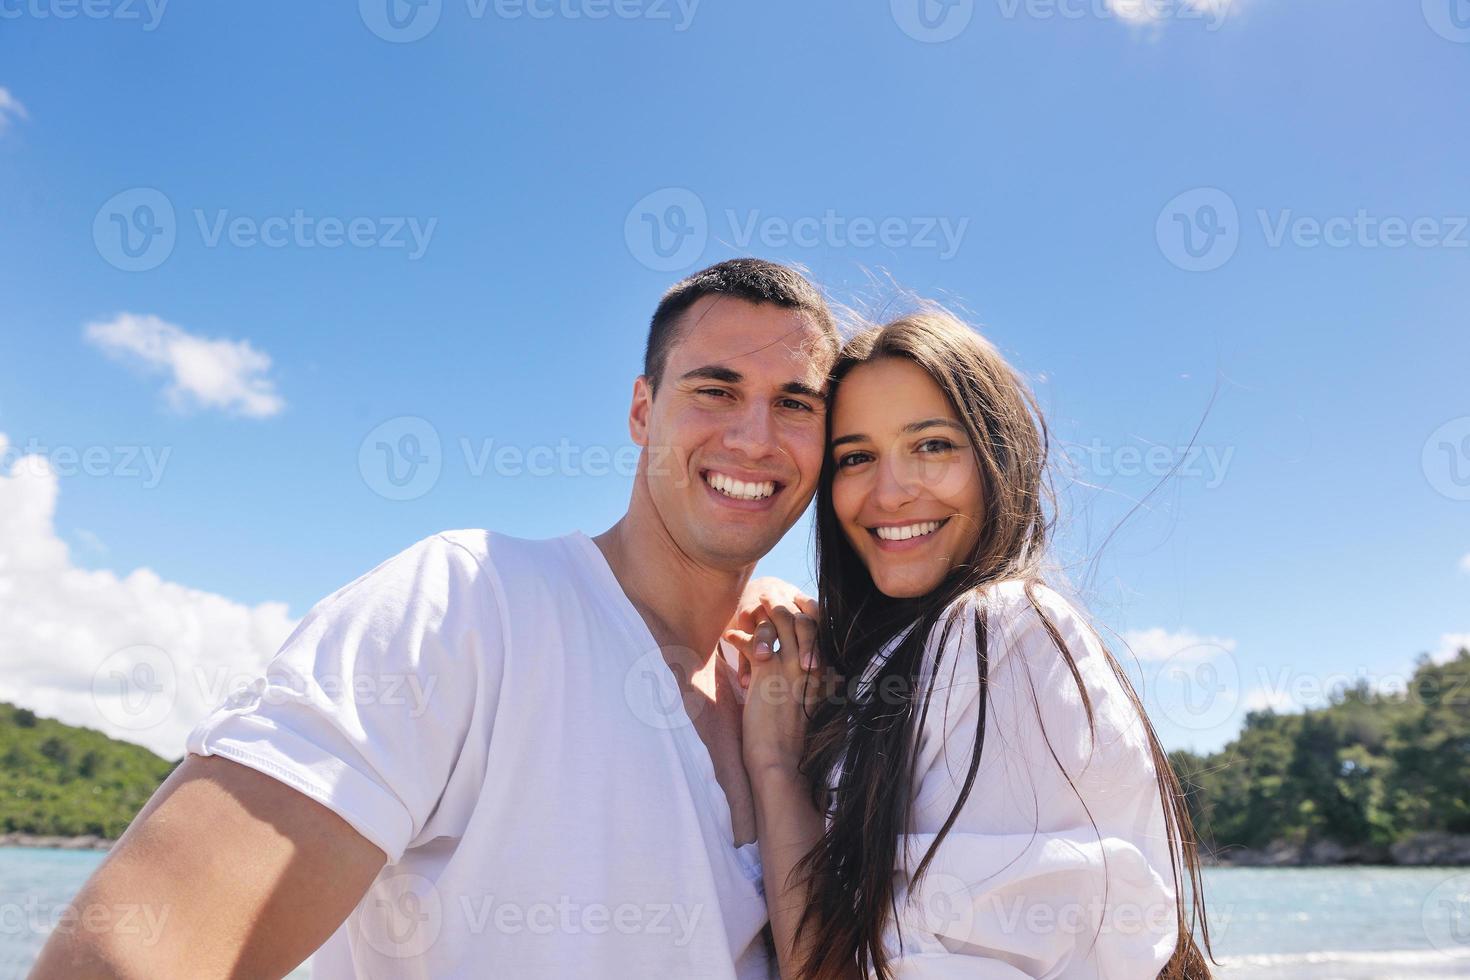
(752, 432)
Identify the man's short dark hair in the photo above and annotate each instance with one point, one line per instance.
(752, 280)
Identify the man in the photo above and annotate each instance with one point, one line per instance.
(568, 797)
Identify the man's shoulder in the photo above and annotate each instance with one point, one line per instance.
(452, 573)
(505, 554)
(514, 568)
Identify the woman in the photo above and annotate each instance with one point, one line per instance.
(974, 791)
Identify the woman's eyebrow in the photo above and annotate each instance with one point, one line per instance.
(911, 427)
(930, 423)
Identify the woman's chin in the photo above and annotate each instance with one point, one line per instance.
(907, 584)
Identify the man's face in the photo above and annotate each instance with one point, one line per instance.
(735, 435)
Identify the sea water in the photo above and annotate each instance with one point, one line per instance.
(1265, 923)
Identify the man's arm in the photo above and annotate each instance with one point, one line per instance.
(226, 872)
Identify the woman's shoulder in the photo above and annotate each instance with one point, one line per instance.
(1030, 683)
(1018, 615)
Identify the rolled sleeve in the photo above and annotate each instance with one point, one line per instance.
(371, 702)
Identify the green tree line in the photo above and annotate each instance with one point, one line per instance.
(1366, 771)
(64, 780)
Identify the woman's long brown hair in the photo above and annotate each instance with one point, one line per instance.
(860, 750)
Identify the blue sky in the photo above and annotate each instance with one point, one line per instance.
(1251, 212)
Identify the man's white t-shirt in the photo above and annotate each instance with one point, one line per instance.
(494, 714)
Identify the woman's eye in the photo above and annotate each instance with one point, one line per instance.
(851, 459)
(935, 446)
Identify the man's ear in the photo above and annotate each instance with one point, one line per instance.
(638, 412)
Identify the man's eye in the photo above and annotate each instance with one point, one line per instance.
(721, 392)
(800, 406)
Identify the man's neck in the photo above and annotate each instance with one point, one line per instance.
(684, 602)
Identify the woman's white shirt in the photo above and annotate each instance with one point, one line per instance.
(1058, 864)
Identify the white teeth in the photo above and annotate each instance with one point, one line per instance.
(739, 489)
(908, 531)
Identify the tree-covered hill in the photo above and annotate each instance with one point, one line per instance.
(64, 780)
(1363, 774)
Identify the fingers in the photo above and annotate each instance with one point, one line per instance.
(798, 633)
(763, 641)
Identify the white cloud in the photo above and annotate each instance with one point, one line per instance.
(10, 108)
(1212, 12)
(1465, 564)
(1160, 644)
(68, 634)
(1450, 645)
(226, 374)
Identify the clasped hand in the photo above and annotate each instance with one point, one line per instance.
(775, 632)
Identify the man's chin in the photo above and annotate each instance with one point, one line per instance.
(733, 550)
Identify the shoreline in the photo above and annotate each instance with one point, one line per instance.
(1425, 849)
(82, 842)
(1274, 857)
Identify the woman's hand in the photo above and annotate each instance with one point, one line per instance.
(775, 631)
(771, 609)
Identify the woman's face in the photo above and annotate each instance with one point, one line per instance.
(906, 487)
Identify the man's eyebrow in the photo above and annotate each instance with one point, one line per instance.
(911, 427)
(805, 390)
(714, 372)
(718, 372)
